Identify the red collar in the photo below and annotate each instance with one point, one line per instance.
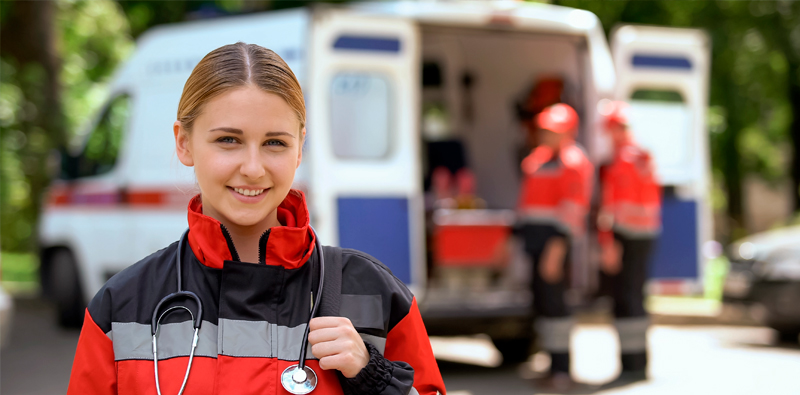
(289, 245)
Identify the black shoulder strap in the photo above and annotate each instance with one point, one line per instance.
(332, 288)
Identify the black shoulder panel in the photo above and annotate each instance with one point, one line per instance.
(363, 274)
(132, 294)
(122, 293)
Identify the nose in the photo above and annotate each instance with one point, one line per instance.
(252, 166)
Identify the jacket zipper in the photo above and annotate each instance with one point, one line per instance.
(262, 246)
(231, 246)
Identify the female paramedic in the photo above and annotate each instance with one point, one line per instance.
(238, 304)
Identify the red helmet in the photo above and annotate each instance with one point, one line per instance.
(616, 113)
(558, 118)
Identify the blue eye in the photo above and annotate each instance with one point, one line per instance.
(226, 139)
(276, 143)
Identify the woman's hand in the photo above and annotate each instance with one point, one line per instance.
(337, 345)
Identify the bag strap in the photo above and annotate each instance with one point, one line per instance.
(332, 289)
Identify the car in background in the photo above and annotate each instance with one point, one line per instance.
(763, 282)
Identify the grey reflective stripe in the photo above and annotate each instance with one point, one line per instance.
(289, 341)
(245, 338)
(377, 341)
(554, 333)
(414, 391)
(632, 333)
(364, 311)
(235, 338)
(261, 339)
(132, 340)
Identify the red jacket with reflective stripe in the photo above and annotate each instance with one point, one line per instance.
(253, 320)
(556, 190)
(631, 196)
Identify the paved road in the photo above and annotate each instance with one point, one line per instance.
(685, 360)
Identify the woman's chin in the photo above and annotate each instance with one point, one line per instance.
(247, 219)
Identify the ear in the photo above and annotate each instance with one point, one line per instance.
(183, 144)
(302, 144)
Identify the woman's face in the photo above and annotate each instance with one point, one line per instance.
(245, 147)
(551, 139)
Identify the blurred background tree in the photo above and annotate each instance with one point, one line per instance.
(56, 58)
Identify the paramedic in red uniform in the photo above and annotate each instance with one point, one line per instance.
(553, 205)
(249, 257)
(629, 221)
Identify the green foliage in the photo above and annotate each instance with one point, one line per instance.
(144, 14)
(93, 39)
(19, 267)
(20, 139)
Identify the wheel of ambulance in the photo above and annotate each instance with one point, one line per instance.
(66, 289)
(515, 350)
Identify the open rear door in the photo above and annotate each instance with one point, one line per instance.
(663, 74)
(365, 187)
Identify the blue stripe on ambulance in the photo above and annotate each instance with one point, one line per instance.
(367, 43)
(379, 227)
(663, 62)
(676, 254)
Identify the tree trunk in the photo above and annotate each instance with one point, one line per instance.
(28, 38)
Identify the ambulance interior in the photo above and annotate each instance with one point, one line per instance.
(473, 143)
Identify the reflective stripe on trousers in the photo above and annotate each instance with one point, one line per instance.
(632, 334)
(554, 333)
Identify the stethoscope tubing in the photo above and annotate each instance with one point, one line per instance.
(301, 363)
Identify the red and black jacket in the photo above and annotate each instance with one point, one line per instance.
(631, 196)
(253, 319)
(556, 189)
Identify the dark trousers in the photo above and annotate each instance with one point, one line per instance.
(550, 309)
(627, 290)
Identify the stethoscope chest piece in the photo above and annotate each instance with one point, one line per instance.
(298, 381)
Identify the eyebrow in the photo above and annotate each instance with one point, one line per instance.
(240, 132)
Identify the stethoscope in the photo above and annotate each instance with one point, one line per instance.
(296, 379)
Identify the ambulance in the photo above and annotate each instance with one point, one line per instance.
(412, 151)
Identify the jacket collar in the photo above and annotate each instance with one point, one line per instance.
(289, 245)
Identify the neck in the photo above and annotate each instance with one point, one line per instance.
(245, 237)
(557, 148)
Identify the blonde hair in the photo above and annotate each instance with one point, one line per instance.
(234, 66)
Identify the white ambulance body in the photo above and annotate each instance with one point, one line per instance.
(124, 192)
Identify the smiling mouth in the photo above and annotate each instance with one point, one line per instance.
(249, 192)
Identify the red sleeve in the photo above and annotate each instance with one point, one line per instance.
(574, 199)
(93, 370)
(408, 342)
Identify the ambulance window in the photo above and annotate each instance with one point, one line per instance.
(359, 105)
(102, 149)
(662, 123)
(657, 96)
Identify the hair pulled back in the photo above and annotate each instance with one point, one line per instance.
(233, 66)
